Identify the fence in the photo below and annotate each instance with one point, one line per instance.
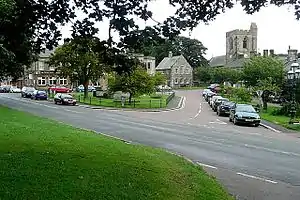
(135, 103)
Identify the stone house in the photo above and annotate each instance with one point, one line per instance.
(177, 70)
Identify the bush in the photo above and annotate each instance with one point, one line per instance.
(156, 96)
(285, 110)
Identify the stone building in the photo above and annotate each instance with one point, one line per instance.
(240, 46)
(148, 61)
(177, 70)
(41, 75)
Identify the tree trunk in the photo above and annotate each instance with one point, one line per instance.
(130, 98)
(86, 89)
(265, 96)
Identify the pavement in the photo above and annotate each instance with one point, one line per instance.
(251, 162)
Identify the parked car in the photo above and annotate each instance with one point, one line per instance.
(244, 114)
(6, 88)
(27, 92)
(60, 89)
(39, 95)
(224, 108)
(209, 95)
(213, 98)
(217, 102)
(14, 89)
(2, 90)
(80, 88)
(205, 91)
(64, 99)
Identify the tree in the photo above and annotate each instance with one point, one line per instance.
(264, 73)
(203, 74)
(159, 79)
(137, 83)
(34, 24)
(150, 42)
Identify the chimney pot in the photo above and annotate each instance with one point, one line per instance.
(265, 52)
(272, 52)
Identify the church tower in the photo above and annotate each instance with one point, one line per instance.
(241, 43)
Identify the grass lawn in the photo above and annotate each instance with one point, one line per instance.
(278, 119)
(44, 159)
(192, 88)
(144, 101)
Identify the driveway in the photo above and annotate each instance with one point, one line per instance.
(251, 162)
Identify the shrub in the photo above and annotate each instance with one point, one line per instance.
(156, 96)
(242, 94)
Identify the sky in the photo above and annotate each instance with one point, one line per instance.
(277, 27)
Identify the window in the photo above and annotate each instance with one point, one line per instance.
(245, 41)
(51, 68)
(149, 65)
(176, 71)
(52, 81)
(41, 81)
(230, 43)
(63, 81)
(176, 81)
(41, 65)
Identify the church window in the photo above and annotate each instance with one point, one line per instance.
(230, 43)
(245, 41)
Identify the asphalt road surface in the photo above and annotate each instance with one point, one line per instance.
(251, 162)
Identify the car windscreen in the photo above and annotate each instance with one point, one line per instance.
(248, 109)
(30, 90)
(41, 92)
(67, 97)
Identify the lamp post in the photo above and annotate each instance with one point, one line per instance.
(293, 76)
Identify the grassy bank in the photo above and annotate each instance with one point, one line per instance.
(270, 116)
(143, 102)
(43, 159)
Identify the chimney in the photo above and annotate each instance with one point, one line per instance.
(170, 54)
(292, 54)
(265, 52)
(272, 52)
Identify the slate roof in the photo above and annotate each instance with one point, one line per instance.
(217, 61)
(168, 62)
(220, 61)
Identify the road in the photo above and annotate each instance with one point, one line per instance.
(251, 162)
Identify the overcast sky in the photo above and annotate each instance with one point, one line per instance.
(277, 27)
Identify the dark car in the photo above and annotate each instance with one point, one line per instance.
(244, 114)
(64, 99)
(208, 95)
(218, 102)
(224, 108)
(27, 92)
(2, 90)
(39, 95)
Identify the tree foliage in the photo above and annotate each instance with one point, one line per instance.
(137, 83)
(79, 60)
(218, 75)
(33, 25)
(260, 69)
(151, 43)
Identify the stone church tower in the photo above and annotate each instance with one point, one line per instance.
(241, 43)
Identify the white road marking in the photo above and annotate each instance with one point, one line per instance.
(199, 111)
(257, 178)
(73, 111)
(272, 150)
(205, 165)
(218, 122)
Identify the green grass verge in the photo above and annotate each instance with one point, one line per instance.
(144, 101)
(192, 88)
(278, 119)
(43, 159)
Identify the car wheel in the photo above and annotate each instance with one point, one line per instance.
(55, 102)
(74, 104)
(256, 125)
(230, 120)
